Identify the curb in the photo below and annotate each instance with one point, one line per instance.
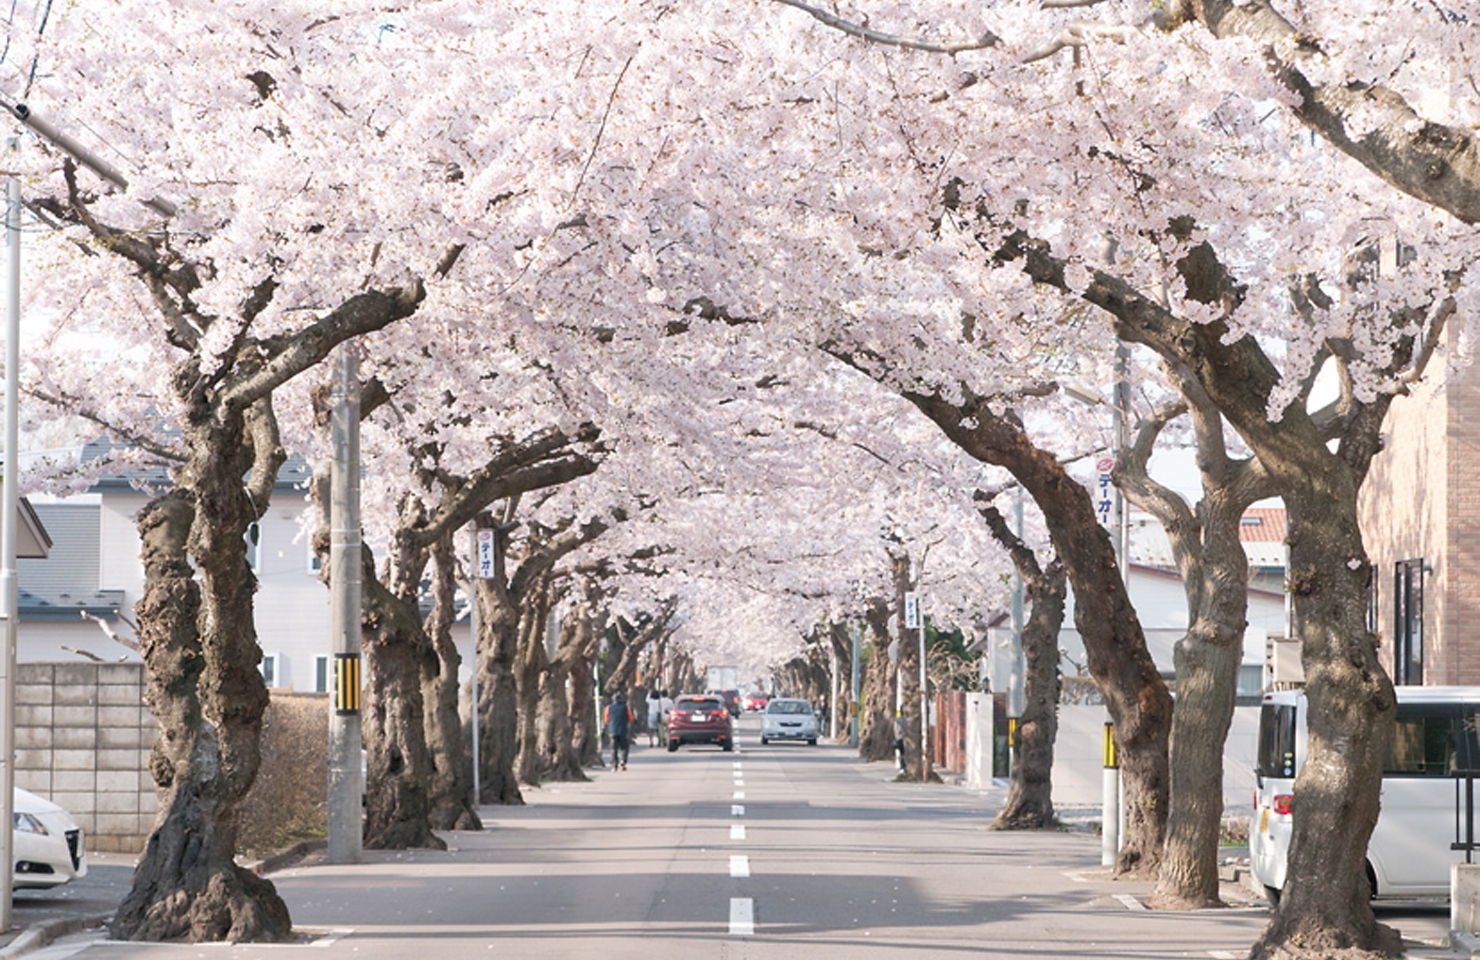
(43, 934)
(283, 857)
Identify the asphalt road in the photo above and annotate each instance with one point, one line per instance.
(781, 851)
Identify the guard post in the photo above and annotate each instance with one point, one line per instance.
(1110, 801)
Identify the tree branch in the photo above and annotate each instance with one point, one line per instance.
(988, 39)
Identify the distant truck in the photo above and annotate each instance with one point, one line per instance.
(722, 681)
(721, 678)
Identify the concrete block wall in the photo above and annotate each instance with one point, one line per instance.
(82, 740)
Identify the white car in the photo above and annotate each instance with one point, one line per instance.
(48, 843)
(787, 718)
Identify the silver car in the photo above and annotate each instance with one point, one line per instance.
(48, 843)
(788, 718)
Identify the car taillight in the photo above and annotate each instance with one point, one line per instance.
(1282, 804)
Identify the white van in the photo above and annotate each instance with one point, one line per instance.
(1409, 853)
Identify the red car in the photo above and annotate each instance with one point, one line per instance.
(756, 701)
(700, 719)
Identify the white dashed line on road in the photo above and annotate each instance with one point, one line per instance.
(737, 810)
(742, 917)
(1131, 903)
(739, 794)
(740, 866)
(737, 832)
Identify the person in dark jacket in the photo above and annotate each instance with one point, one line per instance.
(619, 726)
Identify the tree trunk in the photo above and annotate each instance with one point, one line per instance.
(1029, 804)
(450, 792)
(201, 654)
(498, 710)
(398, 765)
(1210, 556)
(876, 737)
(1325, 906)
(560, 739)
(529, 665)
(1115, 645)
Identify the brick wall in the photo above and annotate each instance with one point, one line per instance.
(82, 740)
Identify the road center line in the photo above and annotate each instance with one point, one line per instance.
(737, 810)
(739, 794)
(742, 917)
(740, 866)
(737, 831)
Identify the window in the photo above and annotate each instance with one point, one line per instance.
(1433, 740)
(321, 674)
(1408, 622)
(1277, 740)
(269, 668)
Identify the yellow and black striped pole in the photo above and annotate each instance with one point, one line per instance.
(346, 683)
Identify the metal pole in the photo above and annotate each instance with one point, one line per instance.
(8, 582)
(854, 687)
(924, 701)
(345, 814)
(832, 703)
(473, 626)
(1016, 675)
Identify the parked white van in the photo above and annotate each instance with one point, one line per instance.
(1410, 850)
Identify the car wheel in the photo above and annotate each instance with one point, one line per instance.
(672, 746)
(812, 742)
(1272, 896)
(765, 741)
(728, 746)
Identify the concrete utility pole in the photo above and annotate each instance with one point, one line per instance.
(853, 702)
(9, 585)
(346, 787)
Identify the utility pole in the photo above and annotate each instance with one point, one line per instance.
(853, 701)
(345, 814)
(9, 585)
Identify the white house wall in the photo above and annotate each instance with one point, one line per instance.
(291, 606)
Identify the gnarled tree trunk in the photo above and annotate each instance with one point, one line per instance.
(201, 654)
(1029, 804)
(876, 733)
(450, 791)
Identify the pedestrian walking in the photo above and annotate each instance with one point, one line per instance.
(619, 726)
(655, 714)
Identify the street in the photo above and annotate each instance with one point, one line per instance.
(778, 851)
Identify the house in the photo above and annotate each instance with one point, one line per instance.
(74, 603)
(1157, 594)
(1420, 515)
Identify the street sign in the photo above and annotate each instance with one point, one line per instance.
(484, 554)
(912, 610)
(1104, 499)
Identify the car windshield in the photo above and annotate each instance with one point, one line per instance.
(789, 706)
(700, 705)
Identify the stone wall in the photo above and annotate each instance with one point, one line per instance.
(82, 740)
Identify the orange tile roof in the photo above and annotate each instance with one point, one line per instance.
(1263, 524)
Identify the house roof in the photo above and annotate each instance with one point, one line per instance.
(294, 475)
(1262, 532)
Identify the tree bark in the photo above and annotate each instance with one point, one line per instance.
(450, 792)
(557, 730)
(1029, 804)
(876, 736)
(585, 732)
(1350, 719)
(1115, 646)
(529, 666)
(398, 765)
(498, 711)
(201, 655)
